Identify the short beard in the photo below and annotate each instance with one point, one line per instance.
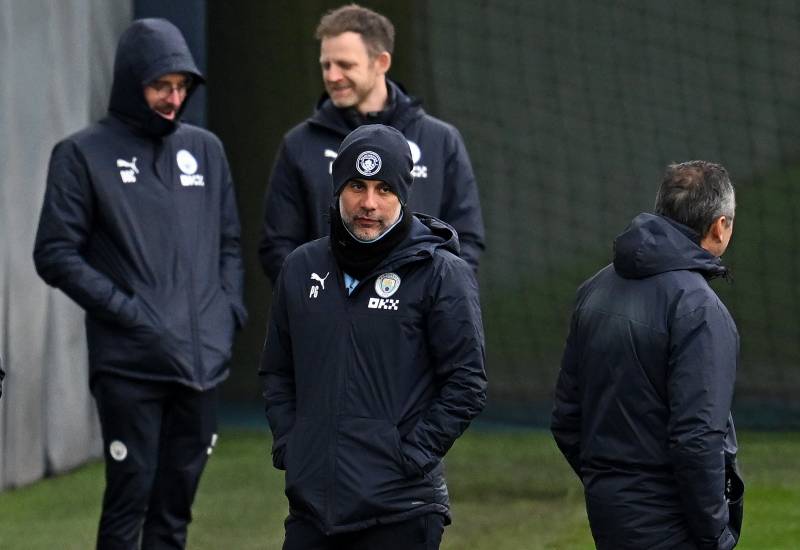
(350, 226)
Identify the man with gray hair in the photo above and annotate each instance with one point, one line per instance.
(642, 402)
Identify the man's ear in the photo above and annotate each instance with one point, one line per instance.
(713, 239)
(717, 228)
(721, 225)
(383, 62)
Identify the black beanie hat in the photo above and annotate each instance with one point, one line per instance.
(374, 152)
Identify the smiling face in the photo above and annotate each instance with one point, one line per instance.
(352, 78)
(368, 208)
(166, 94)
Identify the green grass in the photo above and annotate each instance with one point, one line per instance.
(509, 490)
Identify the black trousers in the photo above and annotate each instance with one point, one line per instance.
(420, 533)
(157, 439)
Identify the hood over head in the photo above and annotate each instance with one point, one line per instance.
(654, 244)
(429, 233)
(148, 49)
(374, 152)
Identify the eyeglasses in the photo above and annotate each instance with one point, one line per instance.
(164, 89)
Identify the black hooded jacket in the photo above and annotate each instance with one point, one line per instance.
(300, 189)
(642, 404)
(365, 393)
(139, 226)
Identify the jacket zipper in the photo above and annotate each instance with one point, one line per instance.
(342, 382)
(197, 366)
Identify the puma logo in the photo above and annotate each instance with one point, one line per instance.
(330, 154)
(321, 280)
(129, 165)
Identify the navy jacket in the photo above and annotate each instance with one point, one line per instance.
(300, 188)
(139, 226)
(366, 393)
(643, 399)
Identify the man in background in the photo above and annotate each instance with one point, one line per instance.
(139, 226)
(643, 399)
(374, 361)
(356, 46)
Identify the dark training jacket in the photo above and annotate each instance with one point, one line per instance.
(366, 393)
(139, 226)
(300, 188)
(643, 399)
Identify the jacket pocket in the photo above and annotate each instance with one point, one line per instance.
(409, 467)
(137, 337)
(372, 476)
(307, 462)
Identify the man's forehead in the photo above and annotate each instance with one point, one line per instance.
(346, 44)
(173, 78)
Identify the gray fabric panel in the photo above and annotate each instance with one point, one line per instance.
(47, 418)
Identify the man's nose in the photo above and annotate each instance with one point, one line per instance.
(368, 200)
(175, 97)
(333, 74)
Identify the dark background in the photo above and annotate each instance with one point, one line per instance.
(570, 111)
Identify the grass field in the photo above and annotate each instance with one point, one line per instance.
(510, 490)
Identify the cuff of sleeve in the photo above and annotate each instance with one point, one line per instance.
(726, 540)
(279, 452)
(240, 314)
(122, 308)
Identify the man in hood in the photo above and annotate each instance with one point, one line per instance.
(356, 46)
(374, 361)
(139, 226)
(643, 399)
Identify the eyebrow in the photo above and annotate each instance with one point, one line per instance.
(186, 81)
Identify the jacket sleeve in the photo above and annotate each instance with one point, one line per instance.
(701, 375)
(285, 223)
(461, 205)
(277, 373)
(565, 421)
(455, 335)
(231, 265)
(65, 226)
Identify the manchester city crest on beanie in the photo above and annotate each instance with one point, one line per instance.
(374, 152)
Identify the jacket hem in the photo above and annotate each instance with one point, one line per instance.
(372, 522)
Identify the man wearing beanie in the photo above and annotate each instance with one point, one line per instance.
(356, 49)
(139, 227)
(374, 361)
